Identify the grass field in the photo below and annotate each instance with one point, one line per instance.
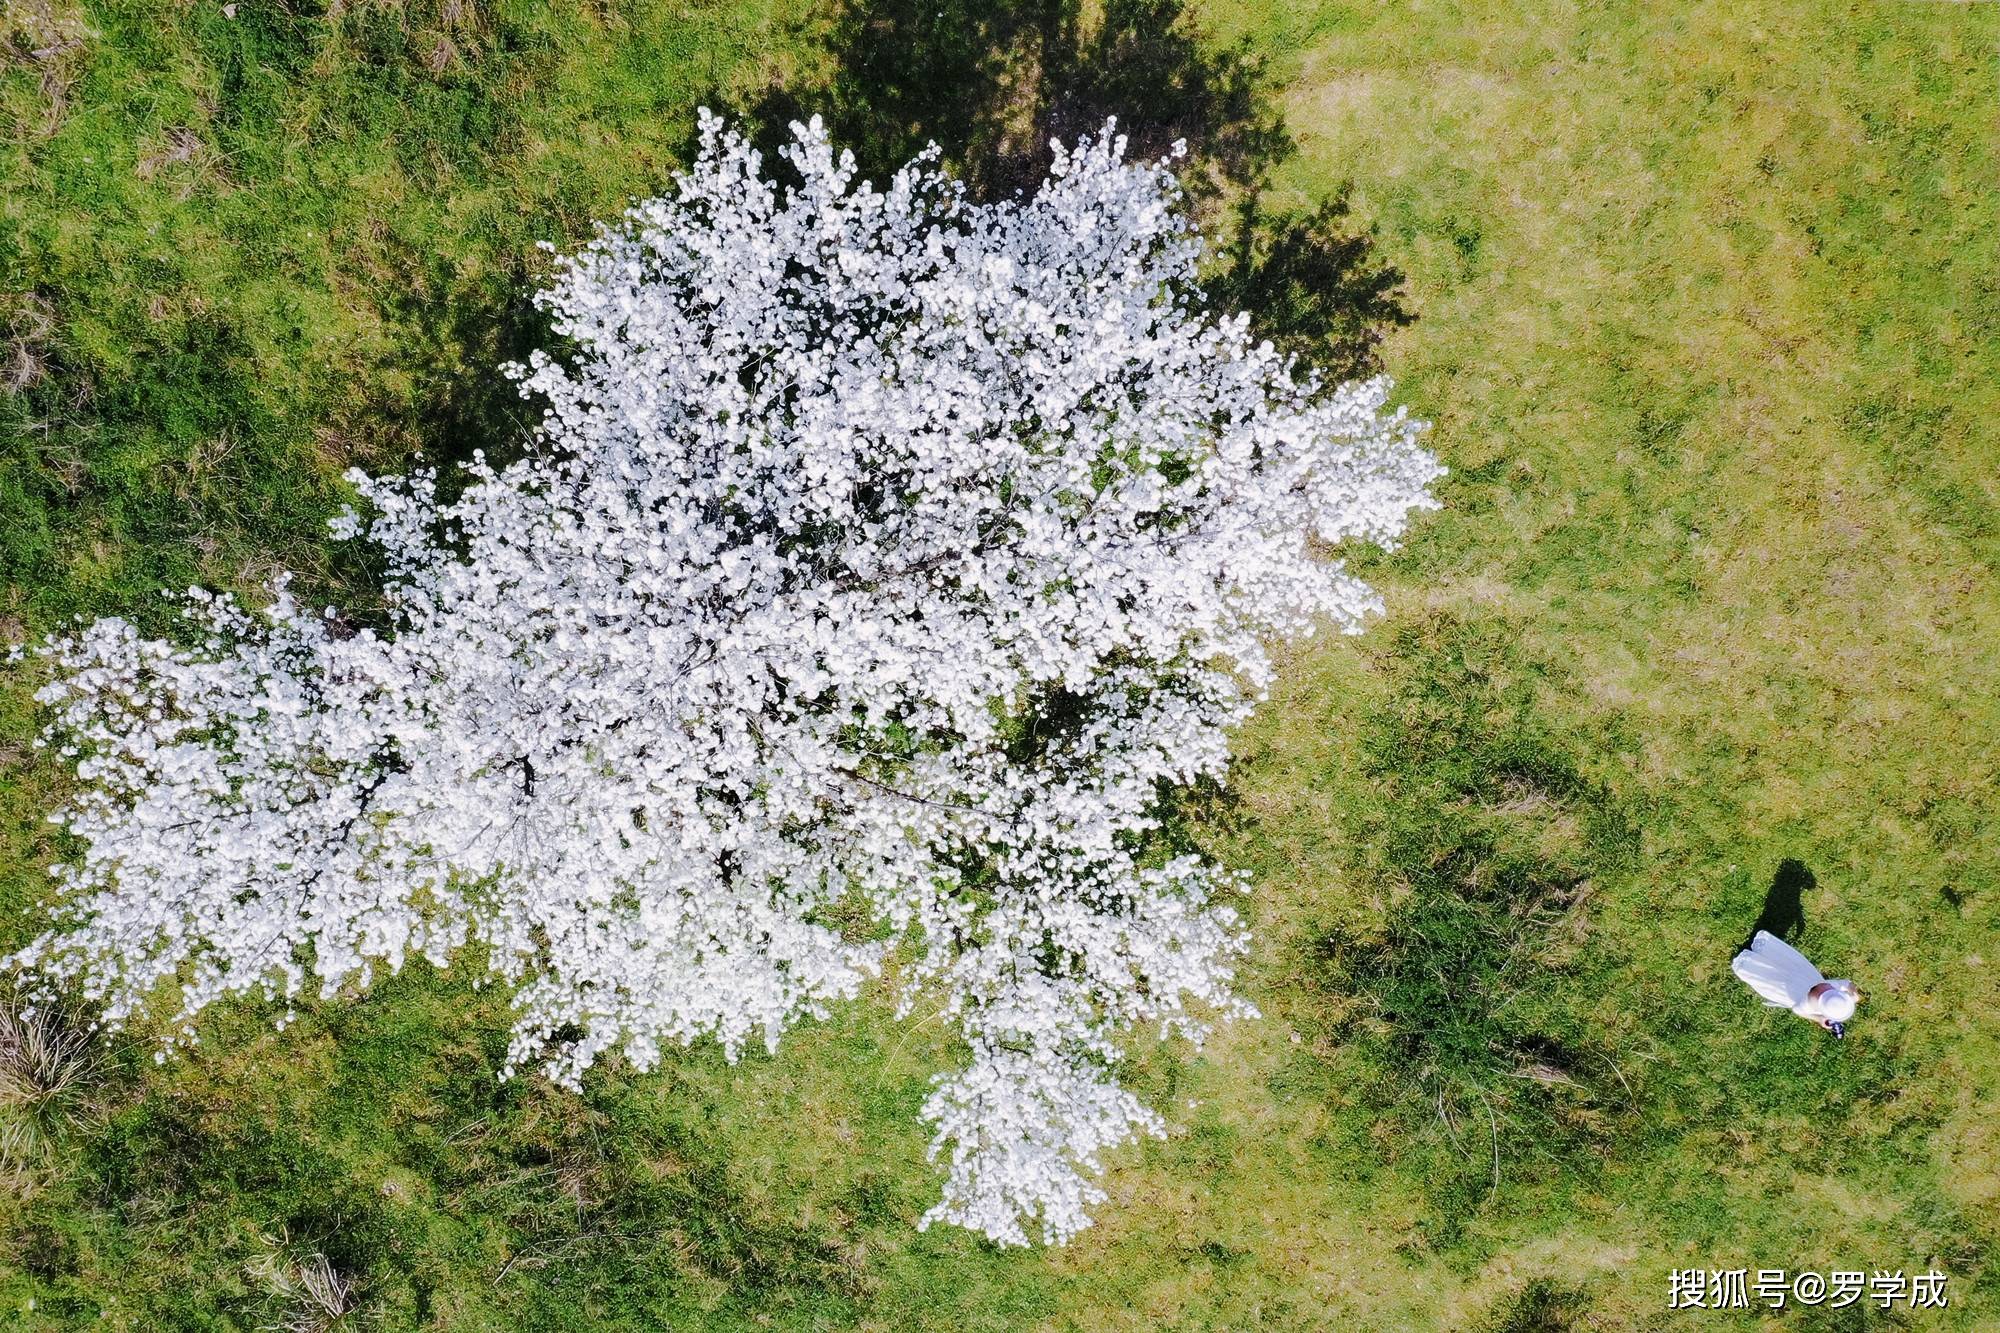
(1708, 324)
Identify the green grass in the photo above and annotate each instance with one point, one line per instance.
(1707, 325)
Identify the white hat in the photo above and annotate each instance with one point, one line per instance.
(1839, 1001)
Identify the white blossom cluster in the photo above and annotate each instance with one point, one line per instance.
(882, 558)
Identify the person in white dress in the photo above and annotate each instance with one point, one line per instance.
(1786, 979)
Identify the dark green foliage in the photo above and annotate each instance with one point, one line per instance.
(1487, 841)
(1541, 1306)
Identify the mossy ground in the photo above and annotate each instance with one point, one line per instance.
(1708, 324)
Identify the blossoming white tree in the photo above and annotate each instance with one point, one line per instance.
(877, 550)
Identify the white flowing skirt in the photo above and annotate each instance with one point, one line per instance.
(1776, 971)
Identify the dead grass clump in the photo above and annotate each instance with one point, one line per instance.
(180, 147)
(23, 1158)
(28, 320)
(46, 1061)
(312, 1295)
(50, 39)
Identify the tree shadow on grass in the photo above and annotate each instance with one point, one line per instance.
(460, 413)
(993, 83)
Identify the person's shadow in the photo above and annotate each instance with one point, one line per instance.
(1784, 915)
